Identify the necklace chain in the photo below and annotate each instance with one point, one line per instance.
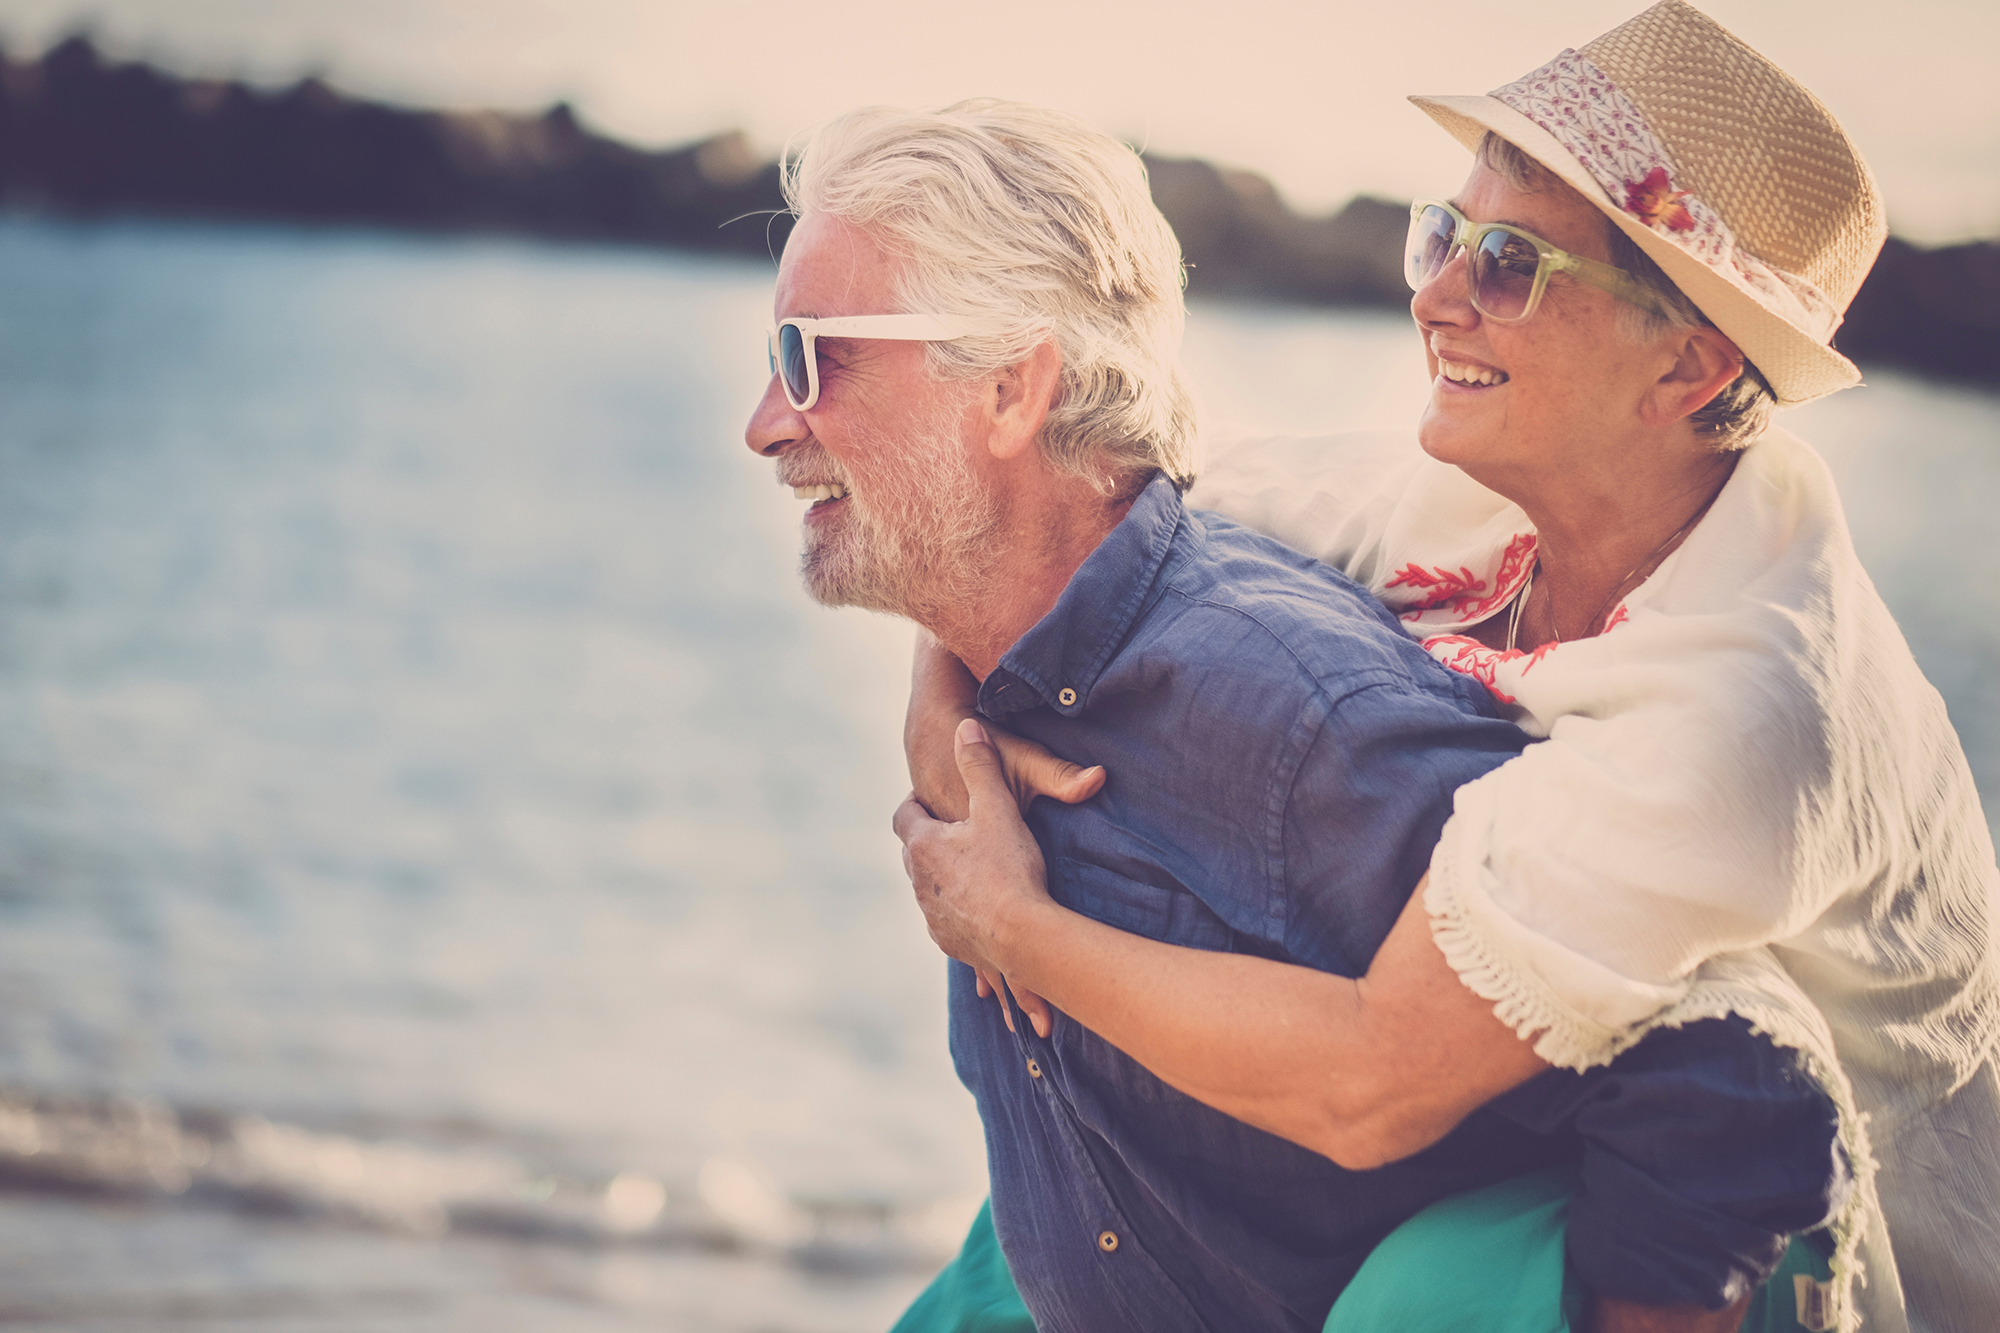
(1528, 584)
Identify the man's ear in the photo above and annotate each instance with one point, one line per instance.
(1019, 401)
(1705, 362)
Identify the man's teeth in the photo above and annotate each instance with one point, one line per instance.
(1464, 374)
(824, 491)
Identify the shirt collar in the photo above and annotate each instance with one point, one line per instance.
(1060, 658)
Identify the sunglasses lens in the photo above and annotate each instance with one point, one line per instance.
(1503, 271)
(1429, 245)
(792, 362)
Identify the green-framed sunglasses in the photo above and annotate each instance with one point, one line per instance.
(1506, 268)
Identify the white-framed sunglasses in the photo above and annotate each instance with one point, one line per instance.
(796, 363)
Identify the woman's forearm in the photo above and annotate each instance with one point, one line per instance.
(1362, 1071)
(1241, 1034)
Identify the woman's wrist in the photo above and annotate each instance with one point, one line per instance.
(1020, 928)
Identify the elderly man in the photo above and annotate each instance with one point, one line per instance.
(974, 386)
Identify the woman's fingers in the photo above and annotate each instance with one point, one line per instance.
(1032, 771)
(991, 983)
(1034, 1007)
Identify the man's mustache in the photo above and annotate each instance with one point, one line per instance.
(810, 467)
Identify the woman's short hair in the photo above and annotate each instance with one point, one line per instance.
(1734, 417)
(1029, 219)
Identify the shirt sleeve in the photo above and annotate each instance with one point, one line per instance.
(1706, 1147)
(1365, 805)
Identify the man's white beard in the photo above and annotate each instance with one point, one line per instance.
(917, 547)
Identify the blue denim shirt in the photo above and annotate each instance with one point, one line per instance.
(1282, 760)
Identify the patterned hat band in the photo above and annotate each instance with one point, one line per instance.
(1585, 111)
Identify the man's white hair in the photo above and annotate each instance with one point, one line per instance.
(1030, 221)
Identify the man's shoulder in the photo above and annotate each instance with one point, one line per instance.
(1231, 591)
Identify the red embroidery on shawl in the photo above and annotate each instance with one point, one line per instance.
(1618, 617)
(1513, 568)
(1470, 657)
(1461, 592)
(1444, 587)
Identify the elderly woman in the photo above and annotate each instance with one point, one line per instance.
(1748, 800)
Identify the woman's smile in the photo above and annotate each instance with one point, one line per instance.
(1469, 374)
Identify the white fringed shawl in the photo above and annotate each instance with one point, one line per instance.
(1749, 801)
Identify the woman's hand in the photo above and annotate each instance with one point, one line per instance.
(943, 694)
(975, 878)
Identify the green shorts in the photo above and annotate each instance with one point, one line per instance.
(1486, 1261)
(1491, 1261)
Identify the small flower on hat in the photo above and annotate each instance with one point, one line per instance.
(1654, 201)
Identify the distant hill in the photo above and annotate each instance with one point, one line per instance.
(87, 136)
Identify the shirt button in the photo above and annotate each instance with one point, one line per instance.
(1034, 1070)
(1107, 1241)
(1066, 696)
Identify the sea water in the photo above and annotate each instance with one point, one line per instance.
(445, 877)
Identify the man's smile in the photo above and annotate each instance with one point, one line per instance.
(824, 491)
(825, 497)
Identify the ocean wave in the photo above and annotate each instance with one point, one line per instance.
(143, 1147)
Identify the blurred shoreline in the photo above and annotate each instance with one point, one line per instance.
(83, 135)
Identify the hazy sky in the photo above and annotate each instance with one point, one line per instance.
(1308, 92)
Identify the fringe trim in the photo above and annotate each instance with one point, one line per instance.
(1714, 998)
(1520, 999)
(1569, 1040)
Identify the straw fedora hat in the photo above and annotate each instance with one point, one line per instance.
(1721, 166)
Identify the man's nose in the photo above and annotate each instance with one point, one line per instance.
(775, 424)
(1446, 300)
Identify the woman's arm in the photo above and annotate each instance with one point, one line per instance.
(942, 695)
(1362, 1071)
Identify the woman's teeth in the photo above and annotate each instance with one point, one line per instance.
(825, 491)
(1464, 374)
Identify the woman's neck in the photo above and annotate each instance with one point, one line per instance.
(1595, 543)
